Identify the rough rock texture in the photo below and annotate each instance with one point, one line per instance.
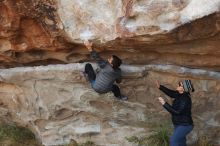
(179, 32)
(58, 105)
(164, 38)
(129, 18)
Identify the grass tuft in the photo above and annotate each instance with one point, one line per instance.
(203, 141)
(158, 137)
(87, 143)
(12, 135)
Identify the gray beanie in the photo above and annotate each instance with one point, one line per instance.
(187, 85)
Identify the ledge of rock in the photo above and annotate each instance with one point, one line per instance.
(58, 105)
(175, 32)
(157, 40)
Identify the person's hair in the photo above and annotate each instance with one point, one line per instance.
(116, 62)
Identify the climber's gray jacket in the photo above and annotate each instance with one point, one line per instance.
(106, 77)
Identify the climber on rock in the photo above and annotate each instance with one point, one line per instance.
(104, 80)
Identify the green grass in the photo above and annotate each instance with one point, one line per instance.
(159, 137)
(87, 143)
(203, 141)
(140, 141)
(12, 135)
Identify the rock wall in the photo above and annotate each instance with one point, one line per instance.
(58, 105)
(176, 32)
(166, 40)
(127, 18)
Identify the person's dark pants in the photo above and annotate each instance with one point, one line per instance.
(90, 72)
(179, 135)
(116, 91)
(92, 76)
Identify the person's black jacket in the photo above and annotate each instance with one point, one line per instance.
(181, 107)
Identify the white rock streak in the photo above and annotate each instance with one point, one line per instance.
(102, 17)
(7, 73)
(199, 8)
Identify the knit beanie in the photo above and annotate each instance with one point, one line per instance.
(188, 86)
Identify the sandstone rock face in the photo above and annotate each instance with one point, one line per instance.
(123, 18)
(166, 40)
(58, 105)
(178, 32)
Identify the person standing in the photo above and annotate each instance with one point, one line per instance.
(180, 110)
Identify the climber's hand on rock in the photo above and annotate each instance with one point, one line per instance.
(157, 84)
(88, 45)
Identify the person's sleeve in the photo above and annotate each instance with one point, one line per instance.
(101, 62)
(178, 111)
(171, 93)
(119, 79)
